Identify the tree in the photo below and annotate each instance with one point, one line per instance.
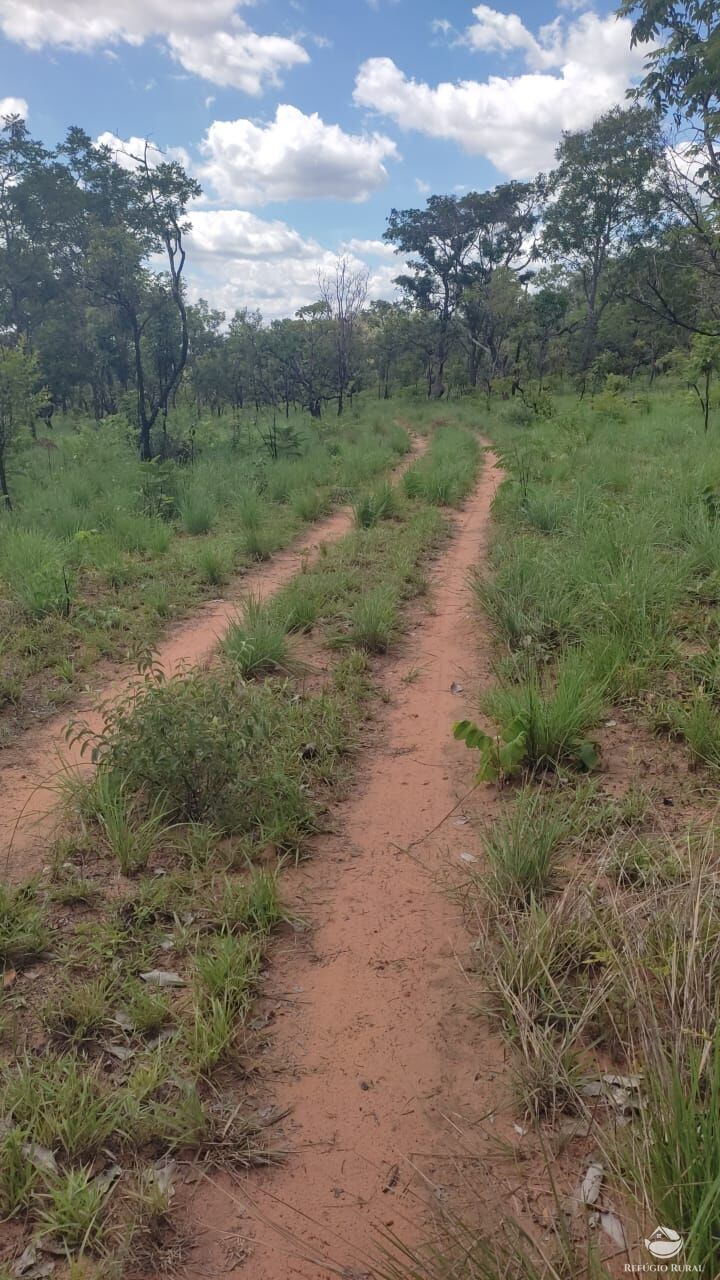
(683, 71)
(456, 242)
(344, 293)
(20, 401)
(602, 200)
(700, 367)
(151, 306)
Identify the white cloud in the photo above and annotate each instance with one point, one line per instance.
(370, 248)
(423, 187)
(493, 30)
(208, 39)
(14, 107)
(236, 259)
(576, 69)
(128, 152)
(239, 58)
(294, 156)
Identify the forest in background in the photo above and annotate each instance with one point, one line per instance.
(604, 269)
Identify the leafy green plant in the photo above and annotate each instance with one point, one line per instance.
(501, 757)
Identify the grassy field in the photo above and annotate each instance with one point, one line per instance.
(597, 916)
(145, 941)
(101, 551)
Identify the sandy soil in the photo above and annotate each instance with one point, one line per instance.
(386, 1073)
(31, 767)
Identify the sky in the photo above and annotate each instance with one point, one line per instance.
(306, 121)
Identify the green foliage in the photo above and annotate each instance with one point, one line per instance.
(501, 757)
(211, 749)
(32, 566)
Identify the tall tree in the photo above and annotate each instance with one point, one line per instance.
(457, 242)
(602, 200)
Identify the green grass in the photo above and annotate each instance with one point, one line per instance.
(522, 849)
(255, 643)
(601, 941)
(102, 550)
(555, 713)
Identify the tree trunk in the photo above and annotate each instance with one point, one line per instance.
(3, 484)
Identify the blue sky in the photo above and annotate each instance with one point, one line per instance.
(306, 120)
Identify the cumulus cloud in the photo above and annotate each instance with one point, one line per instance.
(575, 69)
(129, 152)
(370, 248)
(294, 156)
(208, 39)
(239, 259)
(13, 107)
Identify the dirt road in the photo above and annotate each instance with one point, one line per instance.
(379, 1058)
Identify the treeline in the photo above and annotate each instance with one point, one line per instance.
(608, 265)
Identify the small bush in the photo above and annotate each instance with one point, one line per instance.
(214, 564)
(23, 932)
(554, 719)
(521, 848)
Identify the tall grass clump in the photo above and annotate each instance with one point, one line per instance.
(522, 849)
(554, 713)
(32, 565)
(379, 504)
(197, 511)
(256, 642)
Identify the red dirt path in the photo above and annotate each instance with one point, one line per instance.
(382, 1064)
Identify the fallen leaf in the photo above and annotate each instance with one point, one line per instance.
(456, 687)
(468, 857)
(163, 1176)
(109, 1176)
(9, 979)
(122, 1052)
(162, 978)
(589, 1189)
(30, 1267)
(392, 1178)
(41, 1157)
(612, 1226)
